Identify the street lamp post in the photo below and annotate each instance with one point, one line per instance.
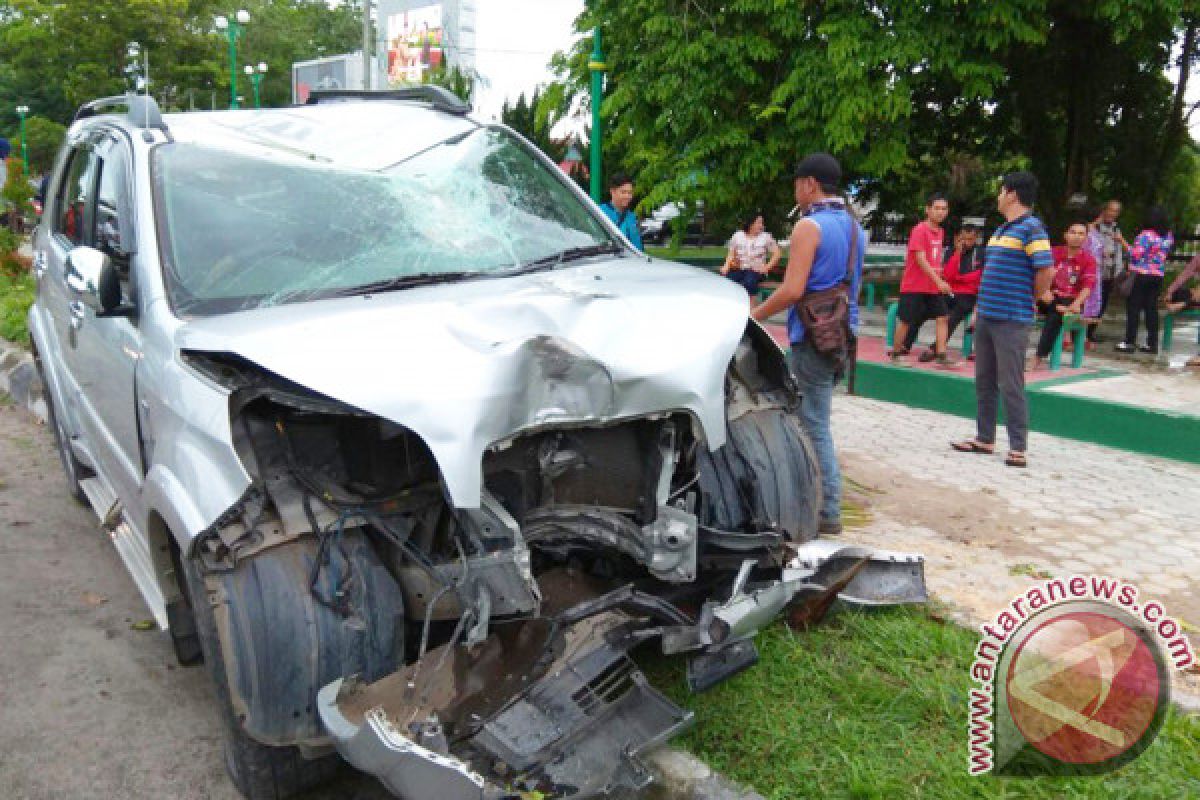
(21, 112)
(597, 66)
(134, 53)
(256, 75)
(232, 28)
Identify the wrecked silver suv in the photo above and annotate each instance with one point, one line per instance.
(397, 434)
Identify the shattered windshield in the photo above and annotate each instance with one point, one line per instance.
(249, 228)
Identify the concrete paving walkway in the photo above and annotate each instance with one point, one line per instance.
(986, 528)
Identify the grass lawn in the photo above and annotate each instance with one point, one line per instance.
(16, 296)
(873, 705)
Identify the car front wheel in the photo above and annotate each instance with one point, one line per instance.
(259, 771)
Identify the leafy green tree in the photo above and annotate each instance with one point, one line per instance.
(59, 54)
(44, 136)
(282, 32)
(461, 81)
(534, 119)
(714, 100)
(80, 46)
(17, 194)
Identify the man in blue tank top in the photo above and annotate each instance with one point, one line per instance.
(817, 260)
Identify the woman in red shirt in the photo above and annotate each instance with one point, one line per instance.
(1074, 280)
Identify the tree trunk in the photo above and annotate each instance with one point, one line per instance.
(1174, 132)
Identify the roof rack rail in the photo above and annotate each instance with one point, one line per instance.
(441, 99)
(142, 109)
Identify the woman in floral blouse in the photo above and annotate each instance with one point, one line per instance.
(1147, 260)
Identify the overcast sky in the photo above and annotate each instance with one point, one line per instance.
(514, 41)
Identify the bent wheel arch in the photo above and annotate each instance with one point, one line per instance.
(270, 647)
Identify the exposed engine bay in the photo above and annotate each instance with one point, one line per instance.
(475, 653)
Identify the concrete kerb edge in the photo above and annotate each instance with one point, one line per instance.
(19, 379)
(679, 775)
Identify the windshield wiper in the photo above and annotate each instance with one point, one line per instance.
(570, 254)
(431, 278)
(405, 282)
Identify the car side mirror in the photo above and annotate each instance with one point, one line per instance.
(92, 276)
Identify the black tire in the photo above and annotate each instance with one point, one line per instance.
(181, 623)
(182, 627)
(73, 470)
(259, 771)
(766, 476)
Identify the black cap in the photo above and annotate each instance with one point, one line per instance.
(822, 166)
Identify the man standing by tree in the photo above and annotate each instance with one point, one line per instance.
(620, 189)
(820, 259)
(1019, 266)
(922, 289)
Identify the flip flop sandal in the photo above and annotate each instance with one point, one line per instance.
(972, 446)
(1016, 460)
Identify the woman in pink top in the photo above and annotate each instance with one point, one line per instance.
(1147, 260)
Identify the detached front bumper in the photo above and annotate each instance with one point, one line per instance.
(555, 704)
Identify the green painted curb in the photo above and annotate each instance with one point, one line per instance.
(714, 262)
(1154, 432)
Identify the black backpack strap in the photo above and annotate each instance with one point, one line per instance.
(852, 253)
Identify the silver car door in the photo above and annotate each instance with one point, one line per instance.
(68, 218)
(108, 348)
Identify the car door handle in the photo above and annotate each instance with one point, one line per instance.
(78, 311)
(39, 263)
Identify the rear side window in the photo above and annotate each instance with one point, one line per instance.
(112, 231)
(73, 216)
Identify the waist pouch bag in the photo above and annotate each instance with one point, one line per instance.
(825, 314)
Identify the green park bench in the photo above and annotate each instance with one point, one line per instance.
(1168, 333)
(890, 336)
(1072, 324)
(879, 270)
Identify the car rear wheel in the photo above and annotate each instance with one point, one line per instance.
(73, 470)
(259, 771)
(765, 476)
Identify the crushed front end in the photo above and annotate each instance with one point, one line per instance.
(483, 652)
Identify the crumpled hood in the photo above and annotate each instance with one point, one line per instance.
(465, 365)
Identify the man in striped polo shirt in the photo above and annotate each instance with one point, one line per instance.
(1017, 268)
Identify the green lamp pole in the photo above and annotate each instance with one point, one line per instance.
(597, 66)
(232, 28)
(256, 75)
(21, 112)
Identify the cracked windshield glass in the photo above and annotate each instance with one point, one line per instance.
(295, 229)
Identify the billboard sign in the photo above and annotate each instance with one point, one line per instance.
(415, 40)
(333, 72)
